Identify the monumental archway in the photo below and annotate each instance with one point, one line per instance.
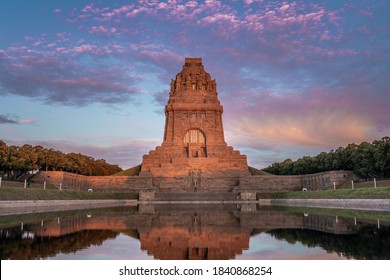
(195, 143)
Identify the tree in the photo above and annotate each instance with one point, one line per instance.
(4, 151)
(365, 159)
(382, 156)
(15, 161)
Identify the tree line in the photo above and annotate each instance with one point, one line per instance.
(365, 159)
(18, 160)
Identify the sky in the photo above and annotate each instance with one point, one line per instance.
(295, 78)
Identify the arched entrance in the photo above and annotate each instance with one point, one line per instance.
(195, 143)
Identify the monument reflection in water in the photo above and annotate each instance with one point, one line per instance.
(225, 231)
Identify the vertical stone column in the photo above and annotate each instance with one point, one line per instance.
(219, 136)
(169, 127)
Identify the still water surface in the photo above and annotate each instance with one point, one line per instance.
(196, 232)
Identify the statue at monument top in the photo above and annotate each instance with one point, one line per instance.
(193, 78)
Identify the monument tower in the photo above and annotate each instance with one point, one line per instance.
(194, 141)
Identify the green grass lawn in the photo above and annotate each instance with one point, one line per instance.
(9, 193)
(133, 171)
(254, 171)
(361, 193)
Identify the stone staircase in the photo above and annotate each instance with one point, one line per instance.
(196, 196)
(27, 176)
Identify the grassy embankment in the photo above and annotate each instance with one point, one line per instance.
(11, 190)
(35, 194)
(132, 171)
(364, 190)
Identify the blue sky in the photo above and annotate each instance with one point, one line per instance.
(295, 77)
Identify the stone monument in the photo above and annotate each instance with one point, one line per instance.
(194, 163)
(194, 145)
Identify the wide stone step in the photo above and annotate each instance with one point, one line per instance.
(196, 196)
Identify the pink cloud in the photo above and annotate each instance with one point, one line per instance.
(4, 55)
(317, 119)
(191, 4)
(366, 13)
(325, 36)
(284, 7)
(84, 48)
(220, 17)
(325, 128)
(63, 80)
(109, 49)
(57, 11)
(300, 63)
(63, 37)
(37, 43)
(88, 8)
(7, 119)
(102, 30)
(91, 8)
(158, 56)
(116, 12)
(135, 12)
(27, 121)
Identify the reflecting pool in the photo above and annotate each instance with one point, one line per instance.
(197, 231)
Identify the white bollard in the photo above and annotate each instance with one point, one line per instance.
(334, 185)
(0, 182)
(355, 221)
(352, 184)
(44, 185)
(374, 183)
(379, 226)
(60, 186)
(25, 183)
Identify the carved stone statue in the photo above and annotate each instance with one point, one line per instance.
(178, 82)
(213, 86)
(172, 90)
(188, 82)
(199, 85)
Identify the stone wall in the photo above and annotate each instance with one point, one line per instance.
(269, 184)
(325, 180)
(96, 183)
(196, 182)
